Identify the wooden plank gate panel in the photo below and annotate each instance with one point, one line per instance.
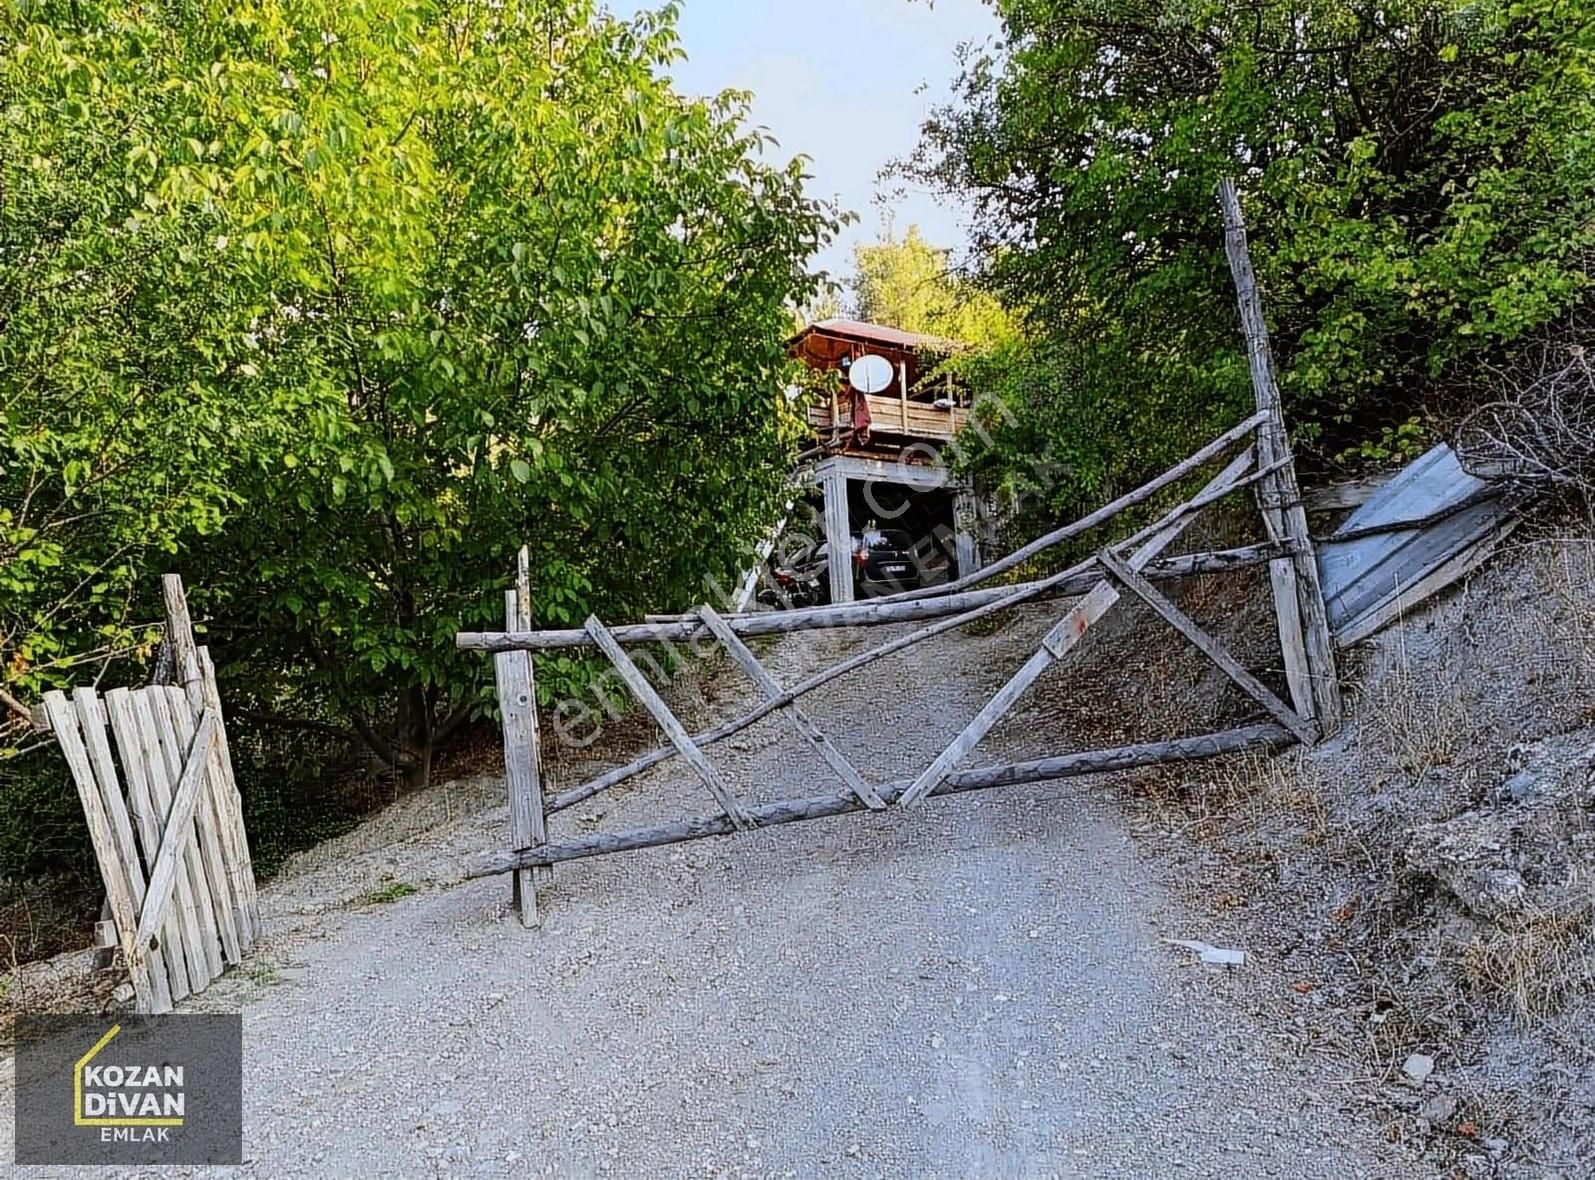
(165, 821)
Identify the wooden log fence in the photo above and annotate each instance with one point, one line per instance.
(1210, 745)
(165, 819)
(1255, 455)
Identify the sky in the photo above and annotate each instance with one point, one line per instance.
(844, 82)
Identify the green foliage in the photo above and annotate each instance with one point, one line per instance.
(122, 431)
(1419, 179)
(339, 303)
(910, 284)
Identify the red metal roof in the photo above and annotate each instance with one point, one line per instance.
(878, 334)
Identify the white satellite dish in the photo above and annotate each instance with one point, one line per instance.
(871, 374)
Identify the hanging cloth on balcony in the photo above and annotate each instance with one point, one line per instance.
(861, 419)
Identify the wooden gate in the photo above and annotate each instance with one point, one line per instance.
(165, 819)
(1255, 455)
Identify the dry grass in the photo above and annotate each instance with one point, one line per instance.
(1535, 965)
(1416, 721)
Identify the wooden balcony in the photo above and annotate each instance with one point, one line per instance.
(899, 418)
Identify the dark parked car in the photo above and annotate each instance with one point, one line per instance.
(885, 561)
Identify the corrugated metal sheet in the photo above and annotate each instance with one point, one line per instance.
(1370, 580)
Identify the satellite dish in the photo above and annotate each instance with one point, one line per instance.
(870, 374)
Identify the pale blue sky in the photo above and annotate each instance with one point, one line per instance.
(845, 82)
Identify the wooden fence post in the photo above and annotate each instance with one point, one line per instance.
(517, 703)
(1298, 597)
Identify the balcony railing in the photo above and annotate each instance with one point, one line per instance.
(898, 417)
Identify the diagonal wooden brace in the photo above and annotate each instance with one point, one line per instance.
(1207, 645)
(771, 688)
(674, 730)
(1061, 639)
(178, 826)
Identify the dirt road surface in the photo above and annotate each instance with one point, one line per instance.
(978, 987)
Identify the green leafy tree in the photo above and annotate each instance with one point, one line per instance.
(1419, 178)
(124, 431)
(910, 284)
(501, 283)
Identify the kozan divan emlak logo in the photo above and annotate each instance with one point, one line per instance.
(139, 1091)
(142, 1102)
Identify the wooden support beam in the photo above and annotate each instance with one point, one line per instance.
(1252, 737)
(517, 706)
(876, 611)
(135, 761)
(1058, 642)
(180, 634)
(1207, 645)
(902, 395)
(966, 542)
(1305, 638)
(174, 837)
(523, 620)
(838, 537)
(196, 952)
(221, 821)
(654, 703)
(771, 688)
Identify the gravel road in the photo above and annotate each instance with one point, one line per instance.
(976, 987)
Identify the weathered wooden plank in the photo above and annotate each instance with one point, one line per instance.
(167, 703)
(770, 687)
(1282, 495)
(517, 704)
(92, 721)
(218, 824)
(654, 703)
(158, 702)
(161, 780)
(174, 836)
(180, 634)
(219, 819)
(147, 823)
(91, 725)
(1100, 516)
(1207, 645)
(242, 867)
(113, 873)
(1187, 565)
(1061, 639)
(523, 617)
(212, 832)
(1063, 766)
(1075, 580)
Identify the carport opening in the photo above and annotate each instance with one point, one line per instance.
(926, 516)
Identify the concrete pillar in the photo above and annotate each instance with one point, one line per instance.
(838, 535)
(966, 523)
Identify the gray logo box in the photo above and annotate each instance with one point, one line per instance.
(132, 1090)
